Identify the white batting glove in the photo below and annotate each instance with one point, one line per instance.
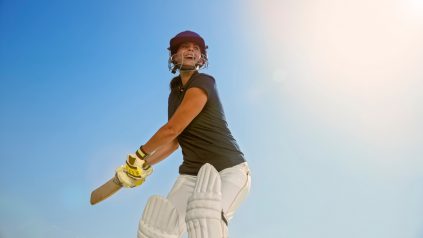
(136, 169)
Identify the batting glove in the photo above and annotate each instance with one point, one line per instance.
(136, 169)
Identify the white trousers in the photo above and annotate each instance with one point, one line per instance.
(236, 182)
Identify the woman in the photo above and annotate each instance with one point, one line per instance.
(214, 176)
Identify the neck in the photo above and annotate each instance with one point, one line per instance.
(185, 75)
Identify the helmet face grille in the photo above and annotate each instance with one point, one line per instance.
(187, 36)
(173, 66)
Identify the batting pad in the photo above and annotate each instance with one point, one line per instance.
(160, 220)
(204, 210)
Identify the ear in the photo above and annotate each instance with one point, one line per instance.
(172, 58)
(202, 61)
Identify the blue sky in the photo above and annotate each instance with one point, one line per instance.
(324, 98)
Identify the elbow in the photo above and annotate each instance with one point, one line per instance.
(175, 145)
(172, 131)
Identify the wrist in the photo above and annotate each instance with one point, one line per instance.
(139, 159)
(141, 153)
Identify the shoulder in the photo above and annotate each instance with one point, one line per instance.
(174, 83)
(205, 76)
(205, 82)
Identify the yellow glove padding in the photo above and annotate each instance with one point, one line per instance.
(133, 172)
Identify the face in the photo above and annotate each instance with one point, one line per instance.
(188, 54)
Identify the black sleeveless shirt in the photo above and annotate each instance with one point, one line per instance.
(207, 139)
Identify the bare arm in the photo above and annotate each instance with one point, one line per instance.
(164, 141)
(163, 153)
(194, 101)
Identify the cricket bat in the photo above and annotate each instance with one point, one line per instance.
(106, 190)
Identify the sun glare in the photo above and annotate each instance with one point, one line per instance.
(356, 63)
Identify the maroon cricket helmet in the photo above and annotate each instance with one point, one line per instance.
(187, 36)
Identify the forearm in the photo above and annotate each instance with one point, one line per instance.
(138, 165)
(164, 136)
(163, 153)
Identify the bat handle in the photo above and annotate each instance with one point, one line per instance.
(116, 180)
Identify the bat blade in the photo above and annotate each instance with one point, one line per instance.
(104, 191)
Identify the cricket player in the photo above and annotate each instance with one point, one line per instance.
(214, 176)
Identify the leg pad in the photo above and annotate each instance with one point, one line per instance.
(204, 211)
(160, 220)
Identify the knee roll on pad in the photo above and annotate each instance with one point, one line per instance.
(160, 220)
(204, 210)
